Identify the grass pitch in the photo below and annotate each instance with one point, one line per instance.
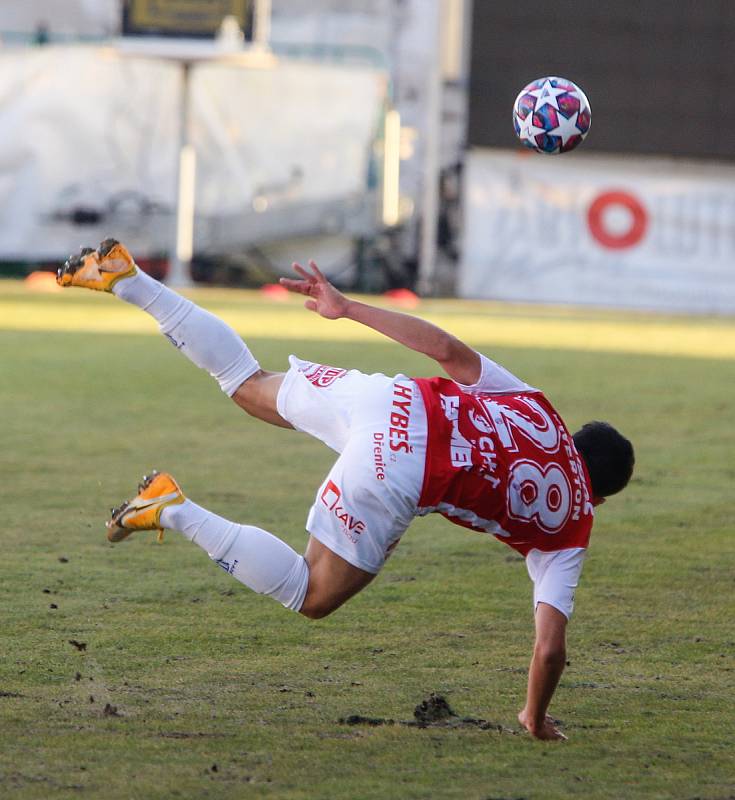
(143, 671)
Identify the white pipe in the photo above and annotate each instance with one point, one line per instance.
(179, 271)
(187, 193)
(391, 168)
(432, 145)
(262, 23)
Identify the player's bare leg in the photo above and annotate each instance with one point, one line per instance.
(332, 580)
(203, 338)
(258, 397)
(316, 583)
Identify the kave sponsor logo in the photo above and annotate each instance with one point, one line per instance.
(322, 376)
(331, 497)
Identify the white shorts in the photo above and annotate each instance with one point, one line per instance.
(378, 425)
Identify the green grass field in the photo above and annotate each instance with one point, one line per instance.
(190, 686)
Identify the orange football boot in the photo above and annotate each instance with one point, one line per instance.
(97, 269)
(143, 513)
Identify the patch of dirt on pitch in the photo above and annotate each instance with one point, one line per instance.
(505, 798)
(359, 719)
(433, 712)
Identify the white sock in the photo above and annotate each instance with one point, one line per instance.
(255, 557)
(203, 338)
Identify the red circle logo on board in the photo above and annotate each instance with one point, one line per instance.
(599, 226)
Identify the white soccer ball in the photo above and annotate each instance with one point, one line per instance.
(551, 115)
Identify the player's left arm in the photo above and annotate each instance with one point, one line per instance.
(457, 359)
(547, 665)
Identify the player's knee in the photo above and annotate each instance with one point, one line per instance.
(314, 613)
(317, 607)
(258, 396)
(250, 395)
(246, 393)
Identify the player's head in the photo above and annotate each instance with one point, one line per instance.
(608, 455)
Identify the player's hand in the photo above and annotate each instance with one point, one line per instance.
(546, 731)
(327, 301)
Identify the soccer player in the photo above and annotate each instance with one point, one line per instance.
(482, 448)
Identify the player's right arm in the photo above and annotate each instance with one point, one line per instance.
(458, 360)
(547, 665)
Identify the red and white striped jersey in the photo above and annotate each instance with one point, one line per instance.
(503, 462)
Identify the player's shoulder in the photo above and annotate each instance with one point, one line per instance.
(496, 379)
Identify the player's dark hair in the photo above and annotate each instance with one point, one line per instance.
(608, 455)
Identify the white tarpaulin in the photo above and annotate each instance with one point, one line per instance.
(89, 145)
(77, 17)
(82, 133)
(301, 129)
(616, 231)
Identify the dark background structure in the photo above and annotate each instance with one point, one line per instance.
(658, 74)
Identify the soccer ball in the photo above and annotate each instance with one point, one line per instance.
(551, 115)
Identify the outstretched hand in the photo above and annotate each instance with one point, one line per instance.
(547, 730)
(324, 299)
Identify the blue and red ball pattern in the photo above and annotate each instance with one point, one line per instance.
(553, 103)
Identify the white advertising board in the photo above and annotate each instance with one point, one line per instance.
(628, 232)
